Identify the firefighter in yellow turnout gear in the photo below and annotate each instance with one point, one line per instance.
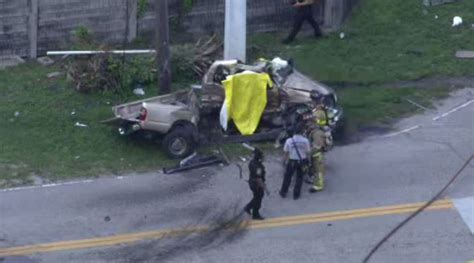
(320, 142)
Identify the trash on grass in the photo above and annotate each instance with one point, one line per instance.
(45, 61)
(342, 35)
(78, 124)
(457, 21)
(54, 74)
(17, 114)
(139, 92)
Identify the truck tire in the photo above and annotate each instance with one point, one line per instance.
(178, 143)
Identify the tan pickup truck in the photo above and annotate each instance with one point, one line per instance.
(186, 118)
(174, 116)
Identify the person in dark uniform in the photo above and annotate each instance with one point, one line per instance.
(304, 12)
(257, 184)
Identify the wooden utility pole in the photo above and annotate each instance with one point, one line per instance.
(162, 47)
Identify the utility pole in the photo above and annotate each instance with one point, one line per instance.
(162, 47)
(235, 39)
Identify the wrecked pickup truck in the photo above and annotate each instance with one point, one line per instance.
(186, 119)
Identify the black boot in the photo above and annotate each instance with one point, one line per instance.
(257, 216)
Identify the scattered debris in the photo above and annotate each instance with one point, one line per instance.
(45, 61)
(139, 92)
(78, 124)
(17, 114)
(10, 61)
(187, 159)
(436, 17)
(243, 159)
(73, 113)
(107, 219)
(457, 21)
(54, 74)
(342, 35)
(465, 54)
(194, 163)
(77, 157)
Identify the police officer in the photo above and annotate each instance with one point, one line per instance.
(297, 150)
(256, 184)
(304, 11)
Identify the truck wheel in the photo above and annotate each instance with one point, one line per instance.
(178, 144)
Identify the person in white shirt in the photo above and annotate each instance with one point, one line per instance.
(297, 151)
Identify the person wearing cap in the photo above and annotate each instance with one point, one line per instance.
(256, 184)
(304, 12)
(297, 150)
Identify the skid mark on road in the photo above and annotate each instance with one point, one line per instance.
(269, 223)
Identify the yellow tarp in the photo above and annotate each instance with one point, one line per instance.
(246, 99)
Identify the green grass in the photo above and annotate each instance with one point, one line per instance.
(43, 140)
(380, 106)
(386, 41)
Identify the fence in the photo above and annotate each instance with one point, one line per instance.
(31, 27)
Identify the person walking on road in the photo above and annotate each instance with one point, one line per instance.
(304, 12)
(297, 150)
(256, 184)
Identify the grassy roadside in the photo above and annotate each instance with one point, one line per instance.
(43, 140)
(387, 41)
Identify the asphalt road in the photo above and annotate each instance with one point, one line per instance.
(371, 187)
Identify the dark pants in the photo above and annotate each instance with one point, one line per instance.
(256, 202)
(304, 14)
(292, 167)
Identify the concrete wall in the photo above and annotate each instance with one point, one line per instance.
(113, 21)
(14, 27)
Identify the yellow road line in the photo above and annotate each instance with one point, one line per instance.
(270, 223)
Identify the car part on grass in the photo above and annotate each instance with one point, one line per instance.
(195, 162)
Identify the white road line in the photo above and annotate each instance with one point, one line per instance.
(45, 186)
(465, 207)
(453, 110)
(401, 132)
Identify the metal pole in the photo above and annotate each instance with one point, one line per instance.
(235, 38)
(162, 47)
